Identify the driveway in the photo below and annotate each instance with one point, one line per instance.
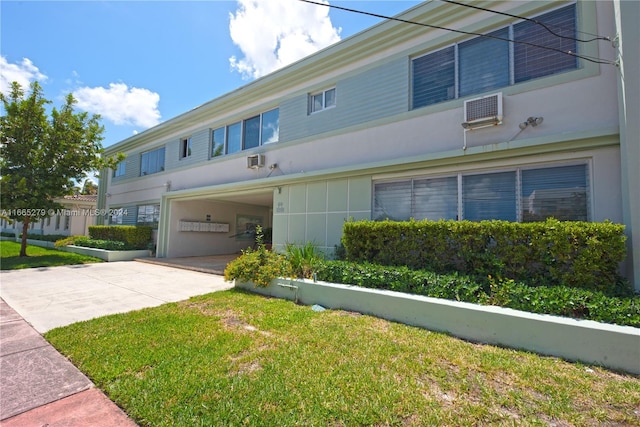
(58, 296)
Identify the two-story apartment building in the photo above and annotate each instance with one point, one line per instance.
(446, 112)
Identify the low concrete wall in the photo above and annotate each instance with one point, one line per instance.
(109, 256)
(611, 346)
(42, 243)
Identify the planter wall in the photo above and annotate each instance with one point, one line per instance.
(109, 256)
(612, 346)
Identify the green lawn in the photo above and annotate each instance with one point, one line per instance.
(38, 257)
(232, 358)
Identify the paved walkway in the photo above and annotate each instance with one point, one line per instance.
(38, 385)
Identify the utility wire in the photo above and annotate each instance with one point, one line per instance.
(535, 21)
(489, 36)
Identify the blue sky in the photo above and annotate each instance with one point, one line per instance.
(138, 63)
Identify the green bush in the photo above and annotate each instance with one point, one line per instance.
(556, 300)
(45, 237)
(304, 259)
(575, 254)
(259, 265)
(66, 241)
(7, 234)
(109, 245)
(135, 236)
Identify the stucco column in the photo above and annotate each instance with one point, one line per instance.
(627, 16)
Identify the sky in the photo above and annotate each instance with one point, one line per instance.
(139, 63)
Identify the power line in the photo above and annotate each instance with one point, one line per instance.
(535, 21)
(470, 33)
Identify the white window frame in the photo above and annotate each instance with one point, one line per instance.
(242, 127)
(155, 152)
(153, 223)
(121, 169)
(323, 95)
(186, 147)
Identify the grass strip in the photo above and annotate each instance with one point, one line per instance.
(38, 257)
(233, 358)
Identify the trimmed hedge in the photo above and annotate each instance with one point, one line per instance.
(45, 237)
(109, 245)
(623, 309)
(575, 254)
(135, 236)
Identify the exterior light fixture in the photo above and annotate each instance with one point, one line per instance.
(531, 121)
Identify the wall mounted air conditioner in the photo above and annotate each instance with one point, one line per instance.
(255, 161)
(483, 112)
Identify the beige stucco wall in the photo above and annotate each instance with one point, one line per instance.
(191, 243)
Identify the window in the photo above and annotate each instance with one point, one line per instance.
(185, 147)
(57, 222)
(217, 142)
(532, 62)
(270, 131)
(116, 217)
(436, 198)
(120, 169)
(148, 215)
(555, 192)
(152, 161)
(489, 196)
(234, 138)
(67, 221)
(532, 194)
(434, 78)
(483, 64)
(250, 133)
(322, 100)
(392, 200)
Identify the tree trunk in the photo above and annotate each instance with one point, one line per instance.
(25, 229)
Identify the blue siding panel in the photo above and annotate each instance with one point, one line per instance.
(373, 94)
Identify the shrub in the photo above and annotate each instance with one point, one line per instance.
(557, 300)
(109, 245)
(304, 259)
(135, 236)
(66, 241)
(259, 265)
(7, 234)
(45, 237)
(576, 254)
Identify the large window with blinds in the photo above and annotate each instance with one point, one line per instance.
(253, 132)
(489, 62)
(521, 194)
(152, 161)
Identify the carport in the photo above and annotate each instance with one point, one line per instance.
(211, 222)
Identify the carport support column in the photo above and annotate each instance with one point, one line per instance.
(162, 245)
(627, 15)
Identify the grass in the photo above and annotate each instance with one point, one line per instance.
(38, 257)
(233, 358)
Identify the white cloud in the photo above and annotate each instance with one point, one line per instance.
(23, 73)
(120, 104)
(272, 34)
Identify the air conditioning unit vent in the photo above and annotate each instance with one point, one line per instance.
(255, 161)
(482, 112)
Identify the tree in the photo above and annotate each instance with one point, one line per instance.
(42, 157)
(89, 188)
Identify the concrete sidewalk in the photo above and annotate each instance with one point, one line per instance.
(50, 297)
(38, 385)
